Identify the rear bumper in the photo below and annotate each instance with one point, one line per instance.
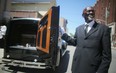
(19, 63)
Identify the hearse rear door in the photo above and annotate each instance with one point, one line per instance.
(48, 31)
(47, 35)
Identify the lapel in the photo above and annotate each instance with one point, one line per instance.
(82, 31)
(93, 29)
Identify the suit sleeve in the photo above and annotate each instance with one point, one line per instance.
(69, 40)
(106, 52)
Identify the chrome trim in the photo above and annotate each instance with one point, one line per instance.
(26, 64)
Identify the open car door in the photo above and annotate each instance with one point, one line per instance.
(47, 34)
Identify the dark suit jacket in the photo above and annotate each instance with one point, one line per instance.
(93, 51)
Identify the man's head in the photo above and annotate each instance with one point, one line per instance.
(88, 14)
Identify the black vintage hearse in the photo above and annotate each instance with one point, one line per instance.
(34, 43)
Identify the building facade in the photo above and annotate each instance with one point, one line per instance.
(31, 8)
(106, 13)
(63, 23)
(27, 8)
(24, 8)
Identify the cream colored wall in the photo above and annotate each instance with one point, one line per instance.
(42, 8)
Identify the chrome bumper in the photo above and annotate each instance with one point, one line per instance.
(26, 64)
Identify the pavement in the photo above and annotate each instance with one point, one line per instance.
(65, 67)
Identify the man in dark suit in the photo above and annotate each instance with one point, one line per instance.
(93, 45)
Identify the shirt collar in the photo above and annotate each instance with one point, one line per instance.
(90, 23)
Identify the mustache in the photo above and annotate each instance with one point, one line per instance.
(91, 16)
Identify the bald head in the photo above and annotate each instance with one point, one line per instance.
(88, 13)
(87, 10)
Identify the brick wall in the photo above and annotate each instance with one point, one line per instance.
(103, 6)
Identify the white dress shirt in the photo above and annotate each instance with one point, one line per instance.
(90, 25)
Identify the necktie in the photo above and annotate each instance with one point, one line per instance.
(86, 29)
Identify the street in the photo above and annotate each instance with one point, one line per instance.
(65, 66)
(113, 63)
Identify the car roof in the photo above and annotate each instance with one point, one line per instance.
(26, 19)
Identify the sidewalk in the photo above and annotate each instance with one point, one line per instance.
(114, 48)
(1, 52)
